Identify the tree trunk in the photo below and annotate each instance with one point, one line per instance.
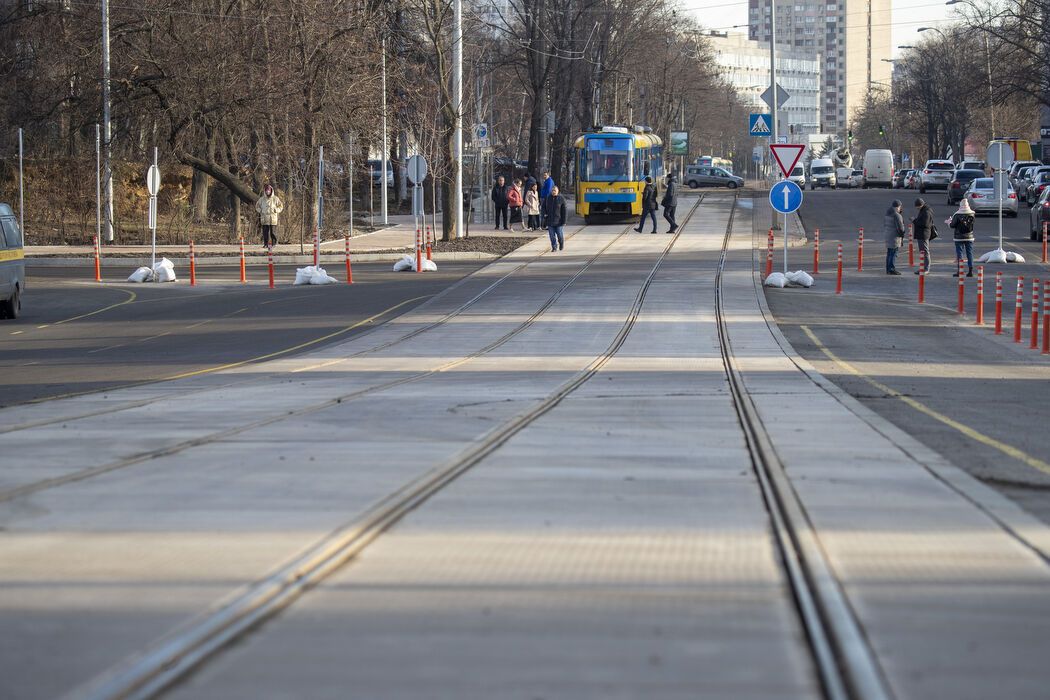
(235, 215)
(199, 197)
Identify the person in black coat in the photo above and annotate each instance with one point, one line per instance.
(923, 229)
(670, 202)
(554, 213)
(501, 202)
(649, 206)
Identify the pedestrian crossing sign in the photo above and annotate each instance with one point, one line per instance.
(760, 125)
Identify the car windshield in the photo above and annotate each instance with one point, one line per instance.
(857, 172)
(940, 166)
(822, 170)
(798, 170)
(608, 159)
(982, 183)
(721, 173)
(968, 174)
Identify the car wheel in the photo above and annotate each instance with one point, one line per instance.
(731, 185)
(922, 190)
(693, 184)
(12, 306)
(1013, 215)
(587, 219)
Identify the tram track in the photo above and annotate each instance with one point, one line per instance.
(173, 657)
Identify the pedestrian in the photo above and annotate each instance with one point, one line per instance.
(924, 230)
(893, 229)
(554, 214)
(500, 201)
(532, 206)
(649, 205)
(545, 191)
(269, 206)
(515, 200)
(961, 222)
(529, 181)
(670, 202)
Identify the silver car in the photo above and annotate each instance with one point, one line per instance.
(981, 196)
(1036, 187)
(707, 176)
(1015, 171)
(936, 173)
(1029, 177)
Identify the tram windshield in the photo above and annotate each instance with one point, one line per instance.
(608, 160)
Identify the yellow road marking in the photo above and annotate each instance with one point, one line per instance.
(1007, 449)
(132, 296)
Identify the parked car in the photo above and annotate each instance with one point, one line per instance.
(12, 264)
(857, 178)
(822, 173)
(900, 179)
(912, 183)
(1039, 216)
(878, 167)
(961, 180)
(1038, 184)
(936, 174)
(974, 165)
(1028, 178)
(798, 176)
(1015, 169)
(704, 176)
(843, 175)
(374, 169)
(981, 196)
(1018, 181)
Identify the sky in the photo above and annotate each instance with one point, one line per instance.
(908, 15)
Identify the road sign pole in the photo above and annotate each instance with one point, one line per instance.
(785, 244)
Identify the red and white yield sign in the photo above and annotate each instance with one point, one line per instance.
(786, 155)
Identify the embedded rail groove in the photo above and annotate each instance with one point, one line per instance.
(160, 666)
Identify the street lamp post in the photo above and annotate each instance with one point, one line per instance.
(457, 98)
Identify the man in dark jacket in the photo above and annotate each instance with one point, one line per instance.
(500, 201)
(923, 228)
(648, 204)
(670, 201)
(554, 213)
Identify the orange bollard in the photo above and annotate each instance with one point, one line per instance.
(911, 245)
(980, 296)
(1018, 306)
(1045, 224)
(816, 252)
(1035, 315)
(922, 276)
(429, 245)
(244, 273)
(419, 252)
(193, 267)
(962, 289)
(998, 303)
(98, 259)
(769, 254)
(317, 246)
(838, 281)
(860, 250)
(349, 272)
(269, 254)
(1046, 318)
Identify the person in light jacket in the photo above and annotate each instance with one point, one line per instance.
(269, 206)
(961, 223)
(554, 213)
(922, 226)
(516, 201)
(893, 229)
(532, 206)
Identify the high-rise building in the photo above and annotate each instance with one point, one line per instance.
(852, 36)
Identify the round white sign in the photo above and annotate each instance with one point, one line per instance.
(1000, 155)
(153, 180)
(417, 169)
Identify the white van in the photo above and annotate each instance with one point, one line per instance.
(878, 168)
(822, 173)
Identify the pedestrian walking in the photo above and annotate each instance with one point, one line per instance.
(269, 206)
(532, 206)
(500, 201)
(961, 222)
(545, 192)
(515, 200)
(670, 202)
(649, 205)
(554, 214)
(893, 229)
(924, 230)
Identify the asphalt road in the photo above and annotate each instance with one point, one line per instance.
(976, 398)
(78, 336)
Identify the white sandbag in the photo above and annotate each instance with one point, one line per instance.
(319, 276)
(407, 262)
(1014, 257)
(164, 271)
(165, 263)
(993, 256)
(303, 275)
(799, 278)
(777, 279)
(143, 274)
(428, 266)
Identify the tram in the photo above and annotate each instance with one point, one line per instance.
(611, 165)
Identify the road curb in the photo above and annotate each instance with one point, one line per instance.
(252, 260)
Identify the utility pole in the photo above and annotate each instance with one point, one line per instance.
(107, 130)
(383, 163)
(773, 85)
(457, 98)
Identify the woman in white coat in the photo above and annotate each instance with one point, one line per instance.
(269, 207)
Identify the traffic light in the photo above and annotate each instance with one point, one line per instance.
(882, 132)
(849, 135)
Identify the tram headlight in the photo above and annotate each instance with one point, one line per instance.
(594, 190)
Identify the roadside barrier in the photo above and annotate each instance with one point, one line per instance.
(1046, 317)
(429, 244)
(816, 252)
(317, 246)
(1045, 225)
(244, 272)
(1035, 315)
(998, 303)
(193, 267)
(349, 272)
(769, 254)
(98, 259)
(838, 281)
(922, 276)
(911, 245)
(1018, 306)
(962, 289)
(860, 249)
(269, 255)
(419, 251)
(979, 321)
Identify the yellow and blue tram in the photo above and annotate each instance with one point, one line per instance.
(611, 166)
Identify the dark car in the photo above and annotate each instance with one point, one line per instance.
(900, 177)
(961, 180)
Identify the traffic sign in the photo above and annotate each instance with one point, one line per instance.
(1000, 155)
(760, 125)
(153, 180)
(481, 135)
(417, 169)
(782, 96)
(786, 155)
(785, 196)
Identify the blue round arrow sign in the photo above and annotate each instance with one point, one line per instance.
(785, 196)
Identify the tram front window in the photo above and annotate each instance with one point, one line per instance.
(608, 160)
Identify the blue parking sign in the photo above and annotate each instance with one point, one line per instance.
(785, 196)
